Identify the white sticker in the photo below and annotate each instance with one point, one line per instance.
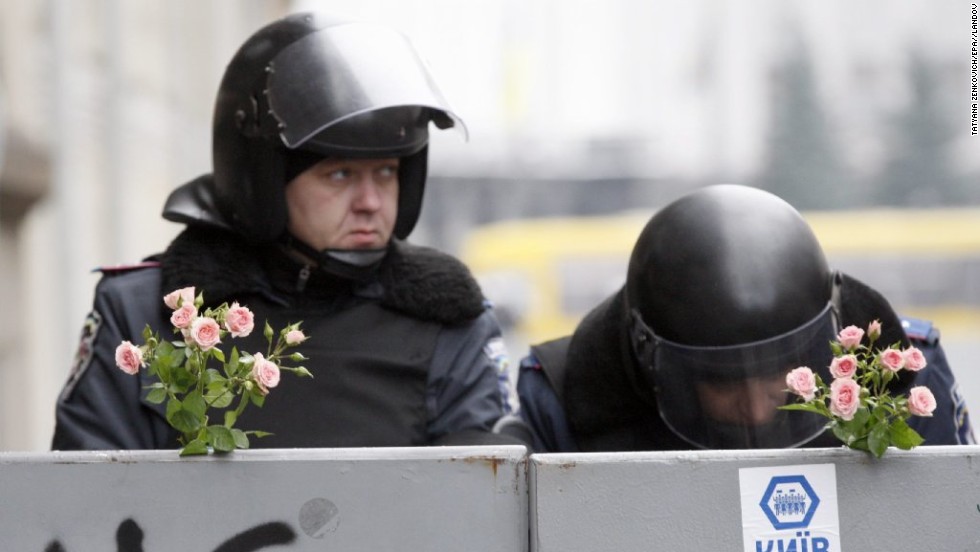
(790, 508)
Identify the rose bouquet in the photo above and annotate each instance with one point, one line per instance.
(191, 387)
(863, 413)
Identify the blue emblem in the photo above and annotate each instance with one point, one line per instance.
(789, 502)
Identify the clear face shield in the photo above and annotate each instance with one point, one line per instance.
(728, 397)
(356, 89)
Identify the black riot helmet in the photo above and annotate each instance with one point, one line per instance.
(309, 86)
(728, 289)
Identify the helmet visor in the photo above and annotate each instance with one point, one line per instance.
(728, 397)
(351, 70)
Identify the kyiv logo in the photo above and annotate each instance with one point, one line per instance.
(789, 502)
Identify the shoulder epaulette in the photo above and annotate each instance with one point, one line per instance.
(118, 269)
(919, 329)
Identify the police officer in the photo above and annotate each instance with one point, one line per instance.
(319, 163)
(726, 291)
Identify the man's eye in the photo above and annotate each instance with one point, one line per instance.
(388, 172)
(339, 174)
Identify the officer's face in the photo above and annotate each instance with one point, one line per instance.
(344, 203)
(748, 402)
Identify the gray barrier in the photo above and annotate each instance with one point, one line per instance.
(767, 501)
(439, 499)
(492, 499)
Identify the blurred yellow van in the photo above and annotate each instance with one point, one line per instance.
(544, 274)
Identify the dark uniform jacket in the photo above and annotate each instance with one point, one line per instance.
(411, 357)
(579, 392)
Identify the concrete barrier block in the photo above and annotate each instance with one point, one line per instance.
(925, 499)
(413, 499)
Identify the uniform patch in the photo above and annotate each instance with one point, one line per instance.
(83, 353)
(961, 417)
(496, 351)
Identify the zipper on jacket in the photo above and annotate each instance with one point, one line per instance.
(304, 276)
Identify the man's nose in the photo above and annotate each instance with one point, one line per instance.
(367, 195)
(758, 406)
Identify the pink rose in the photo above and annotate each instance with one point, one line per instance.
(844, 366)
(205, 332)
(176, 298)
(295, 337)
(802, 382)
(265, 372)
(921, 401)
(914, 359)
(129, 358)
(239, 321)
(850, 337)
(892, 359)
(845, 398)
(874, 330)
(183, 316)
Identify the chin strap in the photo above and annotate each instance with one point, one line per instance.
(835, 300)
(351, 264)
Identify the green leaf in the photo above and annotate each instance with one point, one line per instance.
(161, 367)
(218, 354)
(259, 434)
(231, 367)
(173, 405)
(157, 395)
(860, 444)
(241, 440)
(257, 398)
(903, 436)
(183, 379)
(194, 403)
(221, 438)
(169, 361)
(165, 348)
(218, 394)
(230, 418)
(244, 366)
(879, 412)
(878, 439)
(844, 433)
(805, 407)
(211, 376)
(195, 447)
(861, 417)
(184, 421)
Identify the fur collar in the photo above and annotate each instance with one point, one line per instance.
(420, 282)
(601, 387)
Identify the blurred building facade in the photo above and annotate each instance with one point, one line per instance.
(573, 106)
(107, 107)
